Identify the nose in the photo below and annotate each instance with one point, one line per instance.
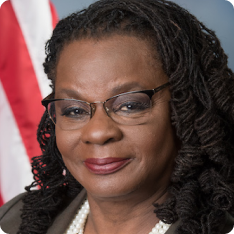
(101, 129)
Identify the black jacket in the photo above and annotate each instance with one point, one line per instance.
(11, 211)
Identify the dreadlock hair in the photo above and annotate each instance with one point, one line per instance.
(202, 104)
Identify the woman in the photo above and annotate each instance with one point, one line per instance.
(140, 122)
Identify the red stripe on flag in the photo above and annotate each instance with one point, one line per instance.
(54, 15)
(19, 79)
(1, 201)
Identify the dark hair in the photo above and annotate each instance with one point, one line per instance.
(202, 103)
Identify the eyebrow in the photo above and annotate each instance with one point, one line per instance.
(121, 88)
(126, 87)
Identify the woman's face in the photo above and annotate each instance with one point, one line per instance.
(95, 70)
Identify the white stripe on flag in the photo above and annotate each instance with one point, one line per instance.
(15, 169)
(35, 20)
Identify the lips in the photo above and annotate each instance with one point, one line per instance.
(103, 166)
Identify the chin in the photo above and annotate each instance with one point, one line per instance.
(117, 191)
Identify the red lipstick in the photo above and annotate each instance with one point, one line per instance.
(104, 166)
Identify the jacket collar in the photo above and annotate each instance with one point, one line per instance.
(63, 220)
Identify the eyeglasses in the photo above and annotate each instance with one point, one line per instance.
(131, 108)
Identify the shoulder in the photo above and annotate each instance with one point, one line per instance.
(229, 224)
(10, 214)
(225, 228)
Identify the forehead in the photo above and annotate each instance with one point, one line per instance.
(99, 66)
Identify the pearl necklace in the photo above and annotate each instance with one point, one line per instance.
(78, 223)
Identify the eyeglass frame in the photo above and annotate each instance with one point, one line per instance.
(150, 92)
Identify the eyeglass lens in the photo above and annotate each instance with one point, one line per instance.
(127, 109)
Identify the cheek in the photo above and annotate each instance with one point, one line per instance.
(156, 146)
(158, 138)
(66, 142)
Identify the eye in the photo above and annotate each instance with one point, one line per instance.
(134, 104)
(131, 104)
(72, 109)
(132, 107)
(74, 112)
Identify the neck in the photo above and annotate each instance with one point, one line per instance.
(124, 214)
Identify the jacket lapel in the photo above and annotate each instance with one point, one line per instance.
(63, 220)
(172, 228)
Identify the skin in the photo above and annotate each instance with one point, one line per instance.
(95, 70)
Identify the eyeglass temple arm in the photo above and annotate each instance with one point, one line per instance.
(161, 87)
(47, 98)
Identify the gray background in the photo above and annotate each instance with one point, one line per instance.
(217, 15)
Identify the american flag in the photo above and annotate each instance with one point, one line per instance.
(25, 26)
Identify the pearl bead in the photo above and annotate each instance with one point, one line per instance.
(78, 223)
